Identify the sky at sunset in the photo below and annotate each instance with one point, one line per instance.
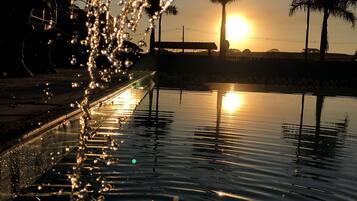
(269, 22)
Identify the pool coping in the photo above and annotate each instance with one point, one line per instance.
(93, 103)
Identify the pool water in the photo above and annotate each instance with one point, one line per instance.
(220, 144)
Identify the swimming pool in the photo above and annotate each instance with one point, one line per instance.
(218, 144)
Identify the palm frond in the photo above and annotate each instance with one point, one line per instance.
(171, 10)
(297, 5)
(154, 8)
(346, 15)
(338, 8)
(223, 2)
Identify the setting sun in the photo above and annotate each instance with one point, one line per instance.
(238, 28)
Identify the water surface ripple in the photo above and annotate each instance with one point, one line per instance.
(219, 145)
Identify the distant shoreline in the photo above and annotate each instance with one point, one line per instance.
(236, 54)
(203, 68)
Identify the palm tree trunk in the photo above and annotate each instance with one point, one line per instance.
(152, 41)
(307, 31)
(160, 19)
(324, 41)
(223, 32)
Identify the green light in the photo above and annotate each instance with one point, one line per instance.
(133, 161)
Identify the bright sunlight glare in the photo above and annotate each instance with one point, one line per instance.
(238, 28)
(232, 101)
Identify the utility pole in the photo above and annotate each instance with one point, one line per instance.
(307, 31)
(183, 38)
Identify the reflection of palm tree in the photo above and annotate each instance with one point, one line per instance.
(212, 132)
(301, 122)
(159, 121)
(319, 104)
(337, 8)
(152, 10)
(223, 48)
(310, 138)
(219, 110)
(151, 94)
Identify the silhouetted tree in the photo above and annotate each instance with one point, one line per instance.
(223, 44)
(246, 51)
(273, 50)
(153, 9)
(171, 10)
(337, 8)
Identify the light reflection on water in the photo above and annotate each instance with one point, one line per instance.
(219, 145)
(232, 101)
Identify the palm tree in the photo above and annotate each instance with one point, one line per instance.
(336, 8)
(171, 10)
(152, 10)
(223, 46)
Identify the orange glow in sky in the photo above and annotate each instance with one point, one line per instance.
(270, 26)
(238, 30)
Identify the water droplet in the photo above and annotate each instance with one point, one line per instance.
(107, 187)
(128, 63)
(92, 85)
(120, 3)
(126, 36)
(74, 40)
(73, 60)
(75, 84)
(104, 52)
(142, 44)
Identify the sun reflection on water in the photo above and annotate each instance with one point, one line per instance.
(126, 101)
(232, 101)
(230, 195)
